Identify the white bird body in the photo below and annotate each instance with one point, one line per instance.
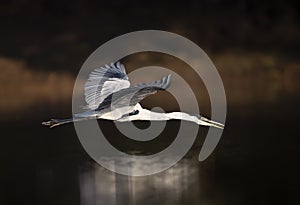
(113, 115)
(109, 96)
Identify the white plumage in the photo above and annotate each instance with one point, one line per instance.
(102, 82)
(108, 95)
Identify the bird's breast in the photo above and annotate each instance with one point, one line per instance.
(117, 113)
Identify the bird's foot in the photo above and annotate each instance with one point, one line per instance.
(51, 123)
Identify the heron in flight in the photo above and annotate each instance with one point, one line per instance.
(109, 96)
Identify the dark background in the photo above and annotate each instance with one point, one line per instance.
(255, 47)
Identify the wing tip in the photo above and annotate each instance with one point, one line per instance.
(166, 81)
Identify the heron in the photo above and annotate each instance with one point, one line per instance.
(109, 95)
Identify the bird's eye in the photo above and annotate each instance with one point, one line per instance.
(197, 115)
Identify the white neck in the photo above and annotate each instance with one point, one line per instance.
(145, 114)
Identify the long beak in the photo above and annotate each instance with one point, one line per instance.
(212, 123)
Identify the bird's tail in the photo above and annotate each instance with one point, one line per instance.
(55, 122)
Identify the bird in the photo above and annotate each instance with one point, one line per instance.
(109, 96)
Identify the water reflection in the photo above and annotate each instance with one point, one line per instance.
(251, 164)
(176, 185)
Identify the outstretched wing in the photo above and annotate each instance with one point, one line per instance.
(133, 95)
(104, 81)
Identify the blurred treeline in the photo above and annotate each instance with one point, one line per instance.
(254, 44)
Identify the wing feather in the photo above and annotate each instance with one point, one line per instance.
(132, 95)
(102, 82)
